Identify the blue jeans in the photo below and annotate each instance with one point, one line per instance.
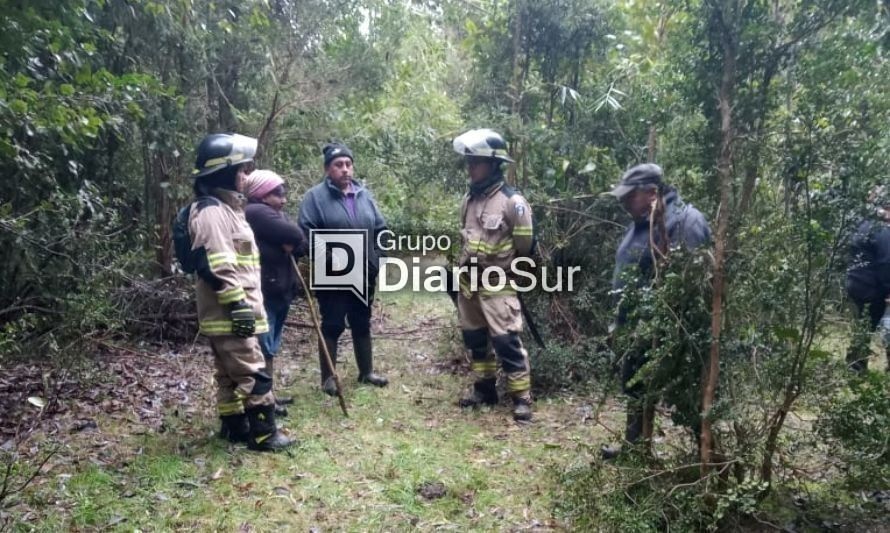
(276, 314)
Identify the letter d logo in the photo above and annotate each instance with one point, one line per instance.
(339, 261)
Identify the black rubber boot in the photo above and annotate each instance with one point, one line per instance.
(522, 409)
(329, 386)
(633, 430)
(484, 393)
(234, 428)
(327, 379)
(264, 435)
(364, 359)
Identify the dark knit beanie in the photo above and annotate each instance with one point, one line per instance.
(334, 150)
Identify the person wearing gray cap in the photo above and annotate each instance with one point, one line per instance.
(652, 204)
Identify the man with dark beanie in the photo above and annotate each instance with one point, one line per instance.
(342, 202)
(650, 202)
(230, 304)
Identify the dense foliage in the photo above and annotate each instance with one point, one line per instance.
(770, 117)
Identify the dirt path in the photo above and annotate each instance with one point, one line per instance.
(407, 458)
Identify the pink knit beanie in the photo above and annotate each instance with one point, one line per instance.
(260, 183)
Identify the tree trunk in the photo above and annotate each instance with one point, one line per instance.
(711, 371)
(660, 33)
(165, 214)
(652, 144)
(775, 427)
(227, 78)
(755, 140)
(516, 85)
(265, 135)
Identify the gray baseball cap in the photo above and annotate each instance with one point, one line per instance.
(638, 176)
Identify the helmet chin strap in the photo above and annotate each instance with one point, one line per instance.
(222, 179)
(481, 186)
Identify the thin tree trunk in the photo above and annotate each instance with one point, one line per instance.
(516, 89)
(164, 250)
(652, 144)
(660, 33)
(146, 184)
(711, 371)
(266, 132)
(751, 170)
(777, 421)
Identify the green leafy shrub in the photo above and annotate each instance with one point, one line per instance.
(637, 495)
(580, 367)
(857, 423)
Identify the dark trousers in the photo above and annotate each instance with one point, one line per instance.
(860, 350)
(875, 310)
(640, 413)
(338, 306)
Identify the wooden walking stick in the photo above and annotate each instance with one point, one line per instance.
(310, 299)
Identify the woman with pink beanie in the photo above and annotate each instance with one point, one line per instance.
(277, 239)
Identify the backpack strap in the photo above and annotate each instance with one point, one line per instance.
(206, 201)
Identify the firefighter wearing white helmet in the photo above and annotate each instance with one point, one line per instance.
(227, 285)
(496, 229)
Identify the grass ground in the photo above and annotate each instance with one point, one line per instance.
(406, 458)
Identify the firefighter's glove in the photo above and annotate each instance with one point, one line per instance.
(243, 321)
(884, 328)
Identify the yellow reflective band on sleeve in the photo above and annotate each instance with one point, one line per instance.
(220, 258)
(215, 327)
(224, 327)
(506, 290)
(525, 231)
(247, 260)
(484, 247)
(230, 408)
(229, 296)
(518, 385)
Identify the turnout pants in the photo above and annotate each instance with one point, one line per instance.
(241, 378)
(496, 321)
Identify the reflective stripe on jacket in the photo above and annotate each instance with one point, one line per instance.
(497, 228)
(228, 263)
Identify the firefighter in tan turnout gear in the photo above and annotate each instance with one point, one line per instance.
(230, 304)
(496, 229)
